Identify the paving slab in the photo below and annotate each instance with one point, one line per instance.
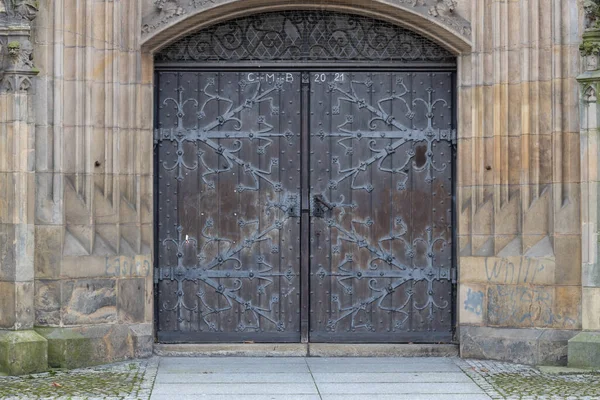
(399, 388)
(257, 369)
(391, 377)
(380, 360)
(235, 389)
(179, 361)
(256, 377)
(240, 397)
(406, 397)
(381, 368)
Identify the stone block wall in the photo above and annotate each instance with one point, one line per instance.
(93, 210)
(16, 210)
(590, 167)
(519, 189)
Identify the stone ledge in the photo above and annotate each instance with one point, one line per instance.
(305, 350)
(77, 347)
(584, 350)
(382, 350)
(523, 346)
(231, 350)
(23, 352)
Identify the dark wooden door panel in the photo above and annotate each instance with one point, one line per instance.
(381, 189)
(378, 258)
(228, 153)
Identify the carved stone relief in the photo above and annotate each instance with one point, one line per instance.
(591, 11)
(18, 10)
(590, 46)
(443, 8)
(163, 12)
(16, 49)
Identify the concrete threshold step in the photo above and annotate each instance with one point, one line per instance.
(305, 350)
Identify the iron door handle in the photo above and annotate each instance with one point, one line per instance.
(318, 203)
(320, 199)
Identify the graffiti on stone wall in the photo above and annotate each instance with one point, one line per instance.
(123, 266)
(510, 271)
(528, 306)
(474, 301)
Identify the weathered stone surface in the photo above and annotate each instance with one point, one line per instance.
(7, 305)
(92, 345)
(381, 350)
(568, 259)
(591, 308)
(516, 345)
(526, 346)
(534, 306)
(48, 251)
(7, 252)
(511, 270)
(67, 348)
(131, 300)
(22, 352)
(47, 303)
(584, 350)
(89, 301)
(472, 305)
(553, 347)
(24, 305)
(590, 275)
(142, 339)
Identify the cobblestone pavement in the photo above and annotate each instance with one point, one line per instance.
(125, 380)
(513, 381)
(136, 379)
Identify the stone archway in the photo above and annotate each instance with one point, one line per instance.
(165, 21)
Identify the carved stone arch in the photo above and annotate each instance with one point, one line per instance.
(166, 21)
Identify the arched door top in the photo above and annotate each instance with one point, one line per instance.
(168, 21)
(302, 37)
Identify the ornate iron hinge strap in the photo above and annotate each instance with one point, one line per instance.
(401, 135)
(210, 134)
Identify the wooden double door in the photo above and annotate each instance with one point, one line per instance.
(304, 205)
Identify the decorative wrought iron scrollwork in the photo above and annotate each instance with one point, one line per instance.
(305, 36)
(228, 266)
(209, 138)
(209, 135)
(378, 125)
(399, 272)
(401, 135)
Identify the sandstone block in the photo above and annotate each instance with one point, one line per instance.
(471, 304)
(67, 348)
(7, 304)
(89, 301)
(584, 350)
(591, 308)
(131, 300)
(23, 352)
(47, 303)
(525, 346)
